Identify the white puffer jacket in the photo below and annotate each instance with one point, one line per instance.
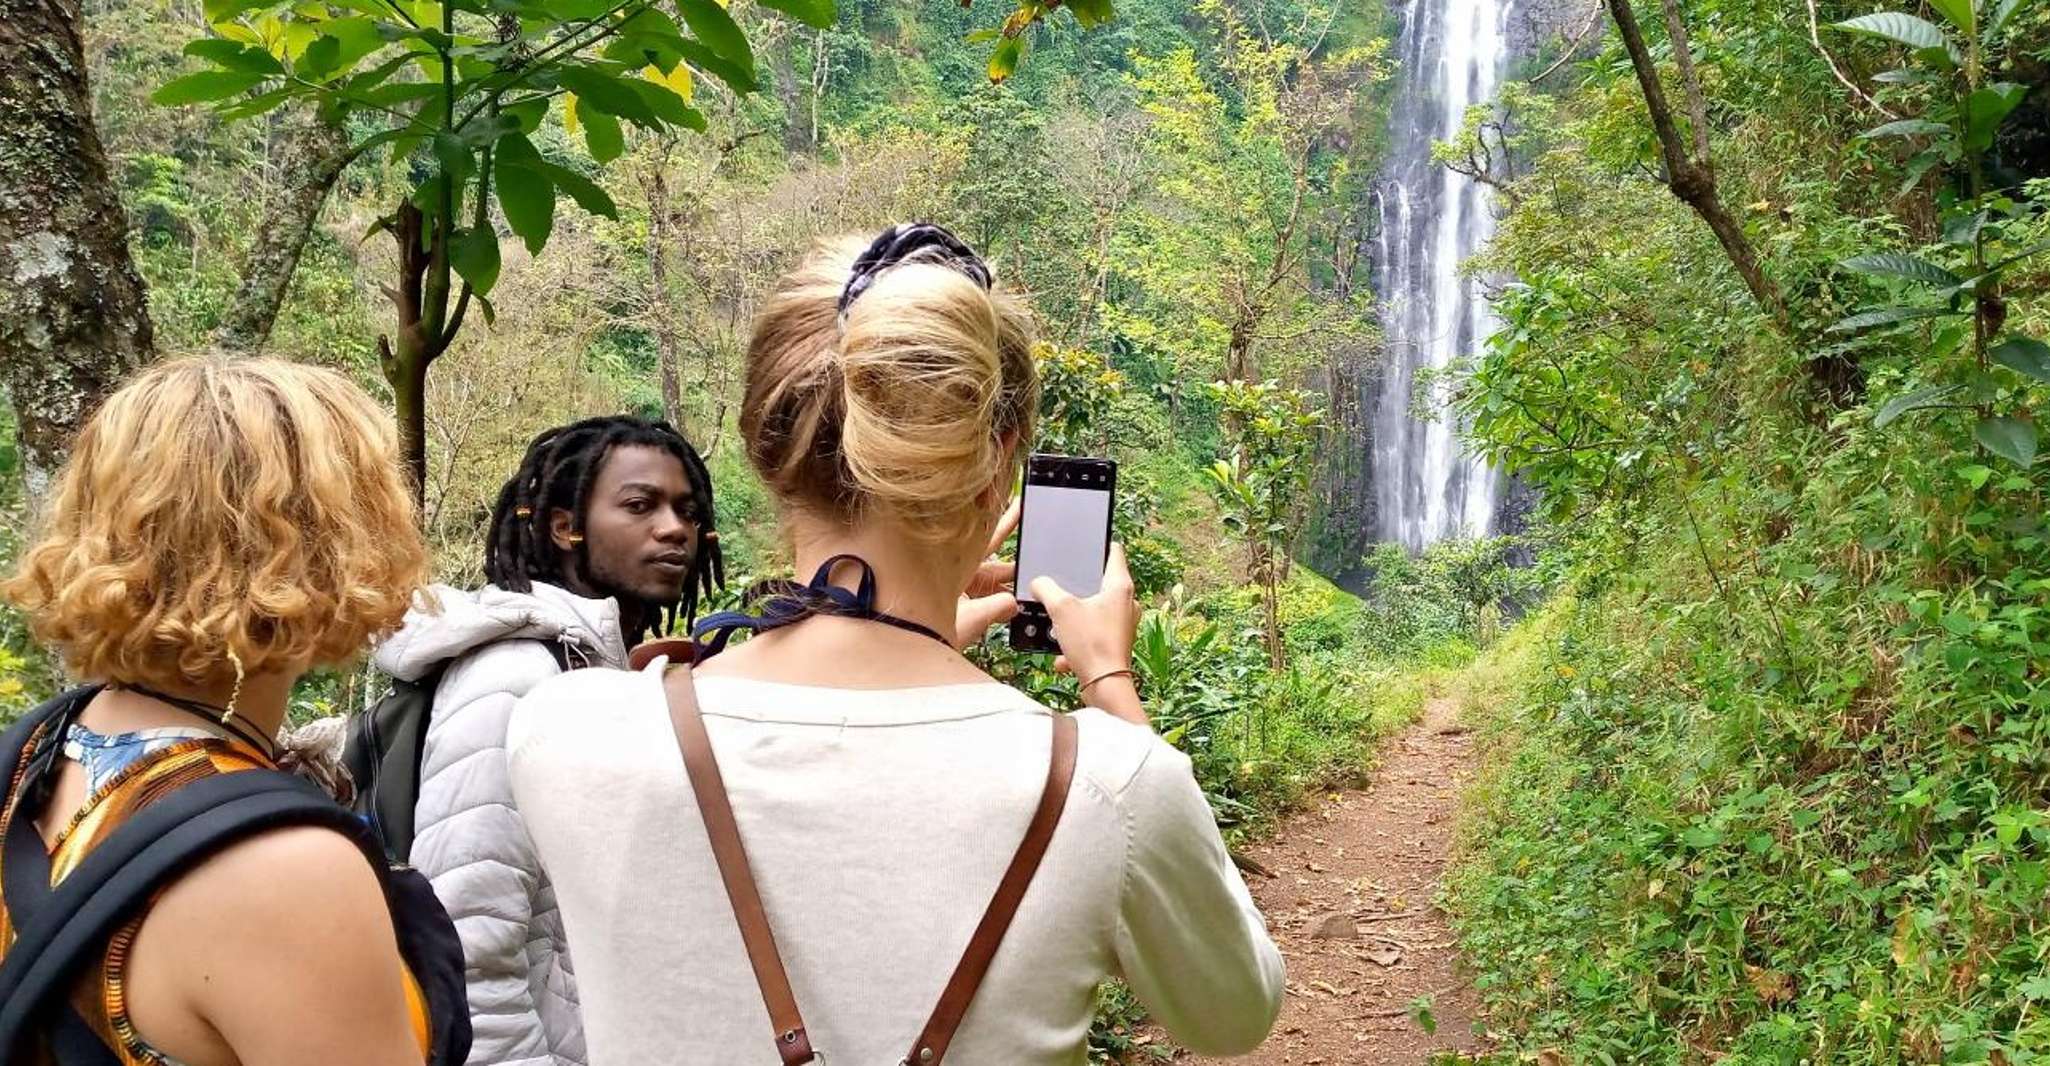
(469, 840)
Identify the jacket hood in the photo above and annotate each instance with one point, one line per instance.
(451, 622)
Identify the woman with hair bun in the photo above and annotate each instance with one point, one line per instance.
(839, 840)
(171, 898)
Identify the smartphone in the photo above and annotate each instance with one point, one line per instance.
(1064, 534)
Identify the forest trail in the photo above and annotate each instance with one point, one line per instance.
(1351, 903)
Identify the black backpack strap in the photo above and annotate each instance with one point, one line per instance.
(58, 928)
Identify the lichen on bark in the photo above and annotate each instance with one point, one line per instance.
(73, 316)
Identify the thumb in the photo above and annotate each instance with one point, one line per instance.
(1049, 592)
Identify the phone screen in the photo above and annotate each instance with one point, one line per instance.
(1065, 532)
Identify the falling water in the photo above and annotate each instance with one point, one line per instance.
(1432, 219)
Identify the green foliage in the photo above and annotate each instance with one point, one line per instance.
(1985, 228)
(1262, 487)
(1765, 786)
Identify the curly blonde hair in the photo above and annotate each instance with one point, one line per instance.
(218, 514)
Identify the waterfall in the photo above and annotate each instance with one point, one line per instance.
(1432, 219)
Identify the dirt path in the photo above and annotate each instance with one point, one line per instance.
(1350, 904)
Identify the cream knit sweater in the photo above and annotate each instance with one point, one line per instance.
(878, 823)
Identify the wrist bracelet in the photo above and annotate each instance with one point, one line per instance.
(1107, 675)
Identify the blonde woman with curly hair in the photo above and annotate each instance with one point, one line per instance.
(904, 816)
(220, 528)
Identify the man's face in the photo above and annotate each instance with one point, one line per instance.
(641, 526)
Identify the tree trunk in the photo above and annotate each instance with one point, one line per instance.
(658, 298)
(74, 319)
(315, 151)
(1691, 179)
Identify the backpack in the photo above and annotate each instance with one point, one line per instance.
(60, 930)
(383, 750)
(382, 753)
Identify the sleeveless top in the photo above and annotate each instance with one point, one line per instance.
(100, 996)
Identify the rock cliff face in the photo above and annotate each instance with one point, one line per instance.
(1392, 477)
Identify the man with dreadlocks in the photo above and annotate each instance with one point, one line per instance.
(604, 535)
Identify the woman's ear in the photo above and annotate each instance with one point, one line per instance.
(562, 529)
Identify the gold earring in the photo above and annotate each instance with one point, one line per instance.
(576, 538)
(235, 693)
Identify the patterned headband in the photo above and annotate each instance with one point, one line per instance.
(913, 242)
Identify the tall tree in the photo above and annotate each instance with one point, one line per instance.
(73, 318)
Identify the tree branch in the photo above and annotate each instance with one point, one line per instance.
(1815, 35)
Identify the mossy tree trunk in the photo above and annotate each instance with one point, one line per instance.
(315, 151)
(74, 319)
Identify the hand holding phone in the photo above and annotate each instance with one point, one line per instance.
(1063, 534)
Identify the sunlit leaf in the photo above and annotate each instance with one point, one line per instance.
(2009, 438)
(205, 86)
(1960, 13)
(1917, 400)
(678, 80)
(1898, 26)
(1003, 60)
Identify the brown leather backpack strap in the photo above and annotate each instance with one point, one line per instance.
(792, 1044)
(989, 933)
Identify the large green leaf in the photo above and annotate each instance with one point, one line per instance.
(1886, 316)
(818, 14)
(1897, 265)
(1918, 399)
(1091, 12)
(1003, 60)
(740, 79)
(260, 104)
(207, 85)
(601, 91)
(2001, 13)
(1960, 13)
(602, 136)
(453, 154)
(715, 29)
(2023, 355)
(234, 55)
(473, 252)
(1908, 127)
(525, 193)
(1986, 109)
(667, 105)
(583, 190)
(1898, 26)
(2009, 438)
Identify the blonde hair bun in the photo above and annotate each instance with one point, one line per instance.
(907, 404)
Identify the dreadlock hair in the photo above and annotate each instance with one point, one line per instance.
(558, 471)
